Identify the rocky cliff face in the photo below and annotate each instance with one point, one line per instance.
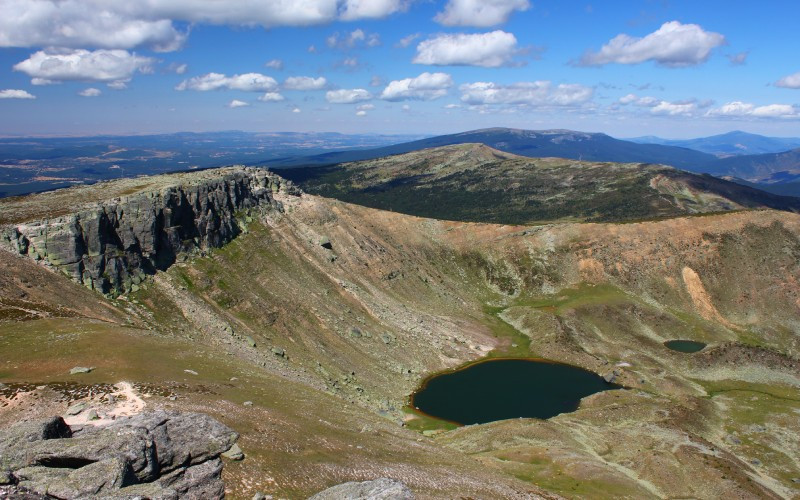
(110, 245)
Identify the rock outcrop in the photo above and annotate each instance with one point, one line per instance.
(378, 489)
(161, 455)
(111, 245)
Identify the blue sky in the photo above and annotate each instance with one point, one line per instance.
(627, 68)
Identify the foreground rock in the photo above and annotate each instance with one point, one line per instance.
(378, 489)
(160, 454)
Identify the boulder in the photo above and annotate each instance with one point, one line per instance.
(612, 376)
(378, 489)
(155, 455)
(76, 409)
(234, 453)
(80, 369)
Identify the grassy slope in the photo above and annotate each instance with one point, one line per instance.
(445, 293)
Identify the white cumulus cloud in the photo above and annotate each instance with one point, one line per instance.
(674, 108)
(408, 40)
(427, 86)
(645, 102)
(356, 38)
(271, 97)
(304, 83)
(90, 92)
(236, 103)
(746, 109)
(177, 68)
(371, 9)
(489, 50)
(790, 82)
(538, 94)
(480, 13)
(52, 66)
(657, 106)
(347, 96)
(16, 94)
(349, 62)
(274, 64)
(248, 82)
(673, 44)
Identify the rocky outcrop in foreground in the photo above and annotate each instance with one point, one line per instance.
(164, 455)
(379, 489)
(111, 245)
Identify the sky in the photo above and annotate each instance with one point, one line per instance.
(675, 69)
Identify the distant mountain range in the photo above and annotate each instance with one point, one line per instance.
(732, 143)
(532, 143)
(773, 172)
(36, 164)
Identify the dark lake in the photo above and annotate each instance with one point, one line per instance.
(507, 388)
(685, 345)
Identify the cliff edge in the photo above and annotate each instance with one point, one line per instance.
(108, 236)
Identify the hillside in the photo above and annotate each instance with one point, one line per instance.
(532, 143)
(473, 182)
(308, 328)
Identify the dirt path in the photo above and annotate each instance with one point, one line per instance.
(126, 403)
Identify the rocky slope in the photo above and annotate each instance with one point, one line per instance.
(110, 235)
(472, 182)
(307, 333)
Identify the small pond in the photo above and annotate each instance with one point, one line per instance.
(507, 388)
(688, 346)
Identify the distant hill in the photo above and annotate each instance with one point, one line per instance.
(541, 143)
(732, 143)
(777, 173)
(473, 182)
(788, 188)
(771, 168)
